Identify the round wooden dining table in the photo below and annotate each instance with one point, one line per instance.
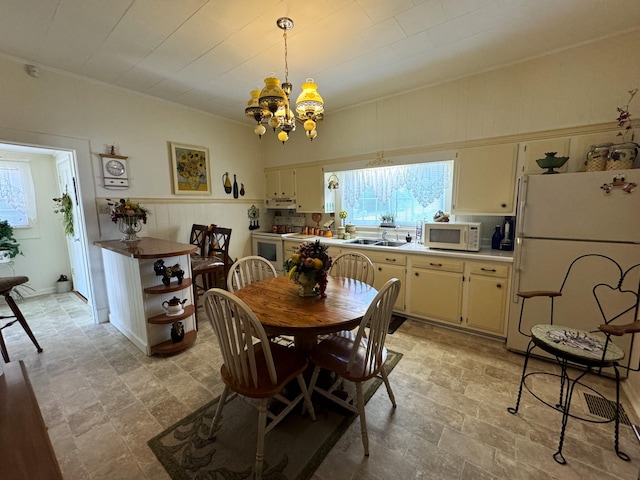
(276, 303)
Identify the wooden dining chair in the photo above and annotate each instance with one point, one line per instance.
(247, 270)
(214, 262)
(353, 265)
(258, 370)
(356, 358)
(198, 237)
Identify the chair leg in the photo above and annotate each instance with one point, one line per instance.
(3, 349)
(620, 453)
(514, 410)
(311, 387)
(306, 403)
(216, 418)
(18, 314)
(385, 378)
(363, 418)
(262, 426)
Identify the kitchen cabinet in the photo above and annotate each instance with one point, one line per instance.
(484, 182)
(487, 291)
(469, 294)
(311, 191)
(435, 288)
(529, 152)
(388, 266)
(280, 184)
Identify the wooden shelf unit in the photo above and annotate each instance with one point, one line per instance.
(169, 348)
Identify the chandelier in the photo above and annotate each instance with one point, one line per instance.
(271, 105)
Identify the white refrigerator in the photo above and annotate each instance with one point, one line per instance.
(559, 218)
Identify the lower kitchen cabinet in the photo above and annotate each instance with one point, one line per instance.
(471, 295)
(487, 297)
(435, 289)
(388, 266)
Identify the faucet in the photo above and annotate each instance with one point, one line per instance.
(384, 234)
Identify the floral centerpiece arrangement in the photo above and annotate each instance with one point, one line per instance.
(129, 216)
(308, 267)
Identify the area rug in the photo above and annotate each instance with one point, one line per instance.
(293, 449)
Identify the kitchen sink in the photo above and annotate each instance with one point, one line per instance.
(366, 241)
(377, 242)
(389, 243)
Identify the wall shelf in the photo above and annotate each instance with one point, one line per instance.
(173, 287)
(164, 319)
(169, 348)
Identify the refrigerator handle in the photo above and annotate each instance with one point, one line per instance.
(521, 203)
(517, 262)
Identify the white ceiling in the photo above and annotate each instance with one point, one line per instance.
(208, 54)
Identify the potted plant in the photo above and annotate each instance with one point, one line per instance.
(64, 205)
(387, 220)
(9, 246)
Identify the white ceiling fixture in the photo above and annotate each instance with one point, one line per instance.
(272, 106)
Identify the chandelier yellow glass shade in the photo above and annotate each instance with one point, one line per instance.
(254, 110)
(272, 96)
(309, 102)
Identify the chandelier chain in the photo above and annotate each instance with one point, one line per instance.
(286, 64)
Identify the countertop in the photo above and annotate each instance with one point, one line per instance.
(148, 247)
(409, 249)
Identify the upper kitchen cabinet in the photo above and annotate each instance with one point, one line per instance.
(529, 152)
(281, 184)
(311, 189)
(485, 180)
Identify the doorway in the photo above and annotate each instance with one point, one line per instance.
(64, 180)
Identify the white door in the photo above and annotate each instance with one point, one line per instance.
(75, 244)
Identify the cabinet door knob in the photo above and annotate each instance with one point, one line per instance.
(379, 269)
(416, 274)
(504, 205)
(499, 285)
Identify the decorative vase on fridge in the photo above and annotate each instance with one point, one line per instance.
(622, 156)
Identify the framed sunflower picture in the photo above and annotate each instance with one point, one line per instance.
(190, 169)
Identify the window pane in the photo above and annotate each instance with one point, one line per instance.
(409, 193)
(13, 199)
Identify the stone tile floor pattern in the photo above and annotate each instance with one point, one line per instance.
(102, 399)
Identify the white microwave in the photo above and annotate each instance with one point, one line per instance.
(452, 236)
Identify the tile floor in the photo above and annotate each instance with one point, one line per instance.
(102, 399)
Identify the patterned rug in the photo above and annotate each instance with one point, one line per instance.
(293, 449)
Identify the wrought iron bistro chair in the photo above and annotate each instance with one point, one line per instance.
(6, 286)
(353, 265)
(258, 370)
(616, 299)
(356, 358)
(212, 261)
